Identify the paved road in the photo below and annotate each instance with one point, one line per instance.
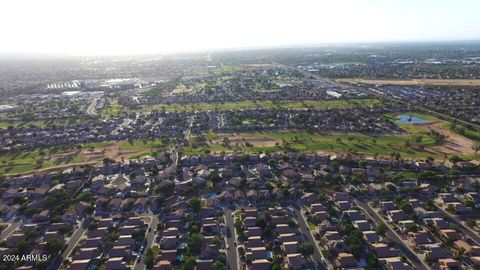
(417, 262)
(91, 109)
(10, 229)
(188, 131)
(72, 243)
(232, 255)
(465, 230)
(150, 239)
(317, 255)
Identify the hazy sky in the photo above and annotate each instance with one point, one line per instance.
(148, 26)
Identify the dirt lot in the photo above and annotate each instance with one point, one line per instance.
(111, 151)
(181, 89)
(241, 141)
(440, 82)
(454, 143)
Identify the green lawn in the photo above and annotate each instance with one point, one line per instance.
(296, 105)
(462, 130)
(328, 142)
(30, 161)
(26, 162)
(112, 109)
(142, 145)
(406, 144)
(311, 225)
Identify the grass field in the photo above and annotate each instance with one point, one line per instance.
(327, 142)
(469, 133)
(141, 145)
(112, 109)
(296, 105)
(407, 145)
(416, 82)
(26, 162)
(92, 153)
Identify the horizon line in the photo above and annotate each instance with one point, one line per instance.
(4, 55)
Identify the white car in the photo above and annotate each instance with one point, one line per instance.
(228, 246)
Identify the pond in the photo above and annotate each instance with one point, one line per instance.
(409, 119)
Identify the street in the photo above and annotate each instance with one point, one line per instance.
(465, 230)
(91, 110)
(303, 226)
(417, 262)
(150, 237)
(232, 252)
(72, 243)
(10, 229)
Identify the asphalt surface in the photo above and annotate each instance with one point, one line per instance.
(91, 107)
(10, 229)
(150, 239)
(465, 230)
(412, 257)
(303, 226)
(72, 243)
(232, 257)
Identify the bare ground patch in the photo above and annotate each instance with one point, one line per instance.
(256, 141)
(112, 151)
(454, 143)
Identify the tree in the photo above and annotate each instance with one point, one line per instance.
(471, 223)
(190, 263)
(215, 177)
(381, 228)
(218, 265)
(261, 222)
(195, 242)
(194, 204)
(355, 242)
(217, 241)
(306, 249)
(476, 147)
(84, 196)
(276, 266)
(108, 161)
(139, 234)
(371, 260)
(291, 223)
(149, 260)
(54, 246)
